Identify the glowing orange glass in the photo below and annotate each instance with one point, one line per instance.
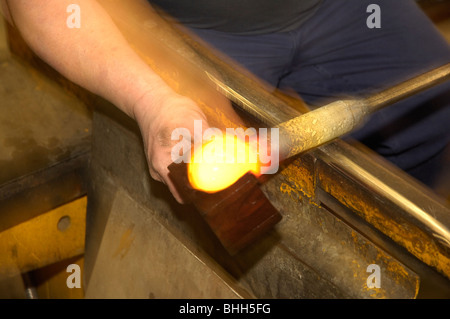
(220, 163)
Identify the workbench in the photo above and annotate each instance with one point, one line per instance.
(45, 133)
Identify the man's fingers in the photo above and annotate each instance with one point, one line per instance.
(155, 175)
(174, 191)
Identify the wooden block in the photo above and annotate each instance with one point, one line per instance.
(238, 215)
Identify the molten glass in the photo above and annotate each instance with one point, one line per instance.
(220, 163)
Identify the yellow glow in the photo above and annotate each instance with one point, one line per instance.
(220, 163)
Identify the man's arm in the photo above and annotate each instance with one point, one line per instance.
(97, 57)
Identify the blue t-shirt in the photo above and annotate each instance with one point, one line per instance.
(240, 16)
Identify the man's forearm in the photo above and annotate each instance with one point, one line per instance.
(95, 56)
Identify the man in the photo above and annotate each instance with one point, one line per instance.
(321, 49)
(328, 49)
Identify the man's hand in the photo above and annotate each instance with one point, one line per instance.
(157, 124)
